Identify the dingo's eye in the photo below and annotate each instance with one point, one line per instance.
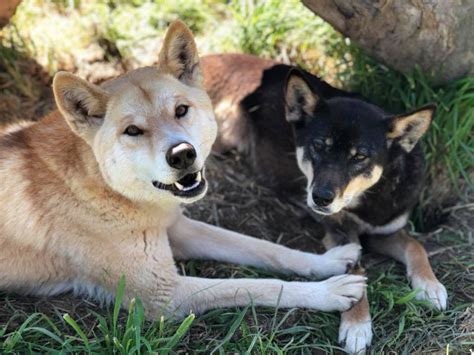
(133, 130)
(181, 111)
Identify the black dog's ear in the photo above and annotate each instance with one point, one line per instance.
(300, 100)
(410, 127)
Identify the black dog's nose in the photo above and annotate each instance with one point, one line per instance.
(323, 196)
(181, 156)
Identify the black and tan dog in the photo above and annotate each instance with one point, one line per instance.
(363, 166)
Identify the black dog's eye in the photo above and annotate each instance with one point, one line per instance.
(360, 157)
(181, 111)
(133, 131)
(318, 145)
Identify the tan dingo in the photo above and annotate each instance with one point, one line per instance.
(93, 192)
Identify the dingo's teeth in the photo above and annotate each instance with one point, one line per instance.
(179, 186)
(196, 184)
(199, 177)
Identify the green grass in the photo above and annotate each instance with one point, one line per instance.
(401, 324)
(282, 30)
(115, 333)
(11, 58)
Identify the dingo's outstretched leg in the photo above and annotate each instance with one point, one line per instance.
(145, 259)
(198, 295)
(192, 239)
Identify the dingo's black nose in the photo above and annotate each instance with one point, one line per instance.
(323, 196)
(181, 156)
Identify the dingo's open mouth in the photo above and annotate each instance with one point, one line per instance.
(189, 185)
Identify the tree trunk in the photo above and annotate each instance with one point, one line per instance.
(7, 9)
(437, 35)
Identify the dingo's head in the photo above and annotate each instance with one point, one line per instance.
(151, 129)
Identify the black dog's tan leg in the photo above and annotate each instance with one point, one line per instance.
(355, 330)
(405, 249)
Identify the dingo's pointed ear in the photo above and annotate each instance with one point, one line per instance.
(408, 128)
(82, 104)
(300, 99)
(179, 55)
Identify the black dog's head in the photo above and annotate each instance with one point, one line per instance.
(343, 142)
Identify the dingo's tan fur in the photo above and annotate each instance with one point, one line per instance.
(79, 206)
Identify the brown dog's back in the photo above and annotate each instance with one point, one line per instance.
(229, 79)
(247, 95)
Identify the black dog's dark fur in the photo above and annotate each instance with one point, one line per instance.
(398, 189)
(269, 125)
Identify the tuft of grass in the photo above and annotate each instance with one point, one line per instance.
(130, 24)
(118, 333)
(282, 30)
(14, 80)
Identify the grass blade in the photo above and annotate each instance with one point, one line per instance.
(78, 330)
(183, 328)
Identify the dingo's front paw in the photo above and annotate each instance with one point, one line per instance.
(338, 260)
(431, 290)
(339, 293)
